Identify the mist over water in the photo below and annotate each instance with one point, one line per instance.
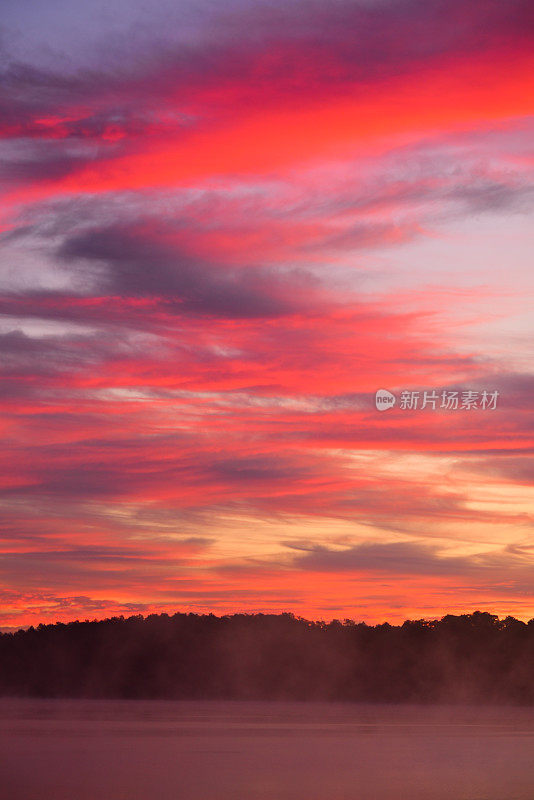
(188, 750)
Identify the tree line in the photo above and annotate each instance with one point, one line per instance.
(471, 658)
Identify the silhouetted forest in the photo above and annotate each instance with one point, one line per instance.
(469, 658)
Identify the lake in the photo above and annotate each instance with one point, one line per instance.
(161, 750)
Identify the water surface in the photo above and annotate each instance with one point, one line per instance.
(137, 750)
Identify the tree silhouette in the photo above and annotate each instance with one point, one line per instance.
(468, 658)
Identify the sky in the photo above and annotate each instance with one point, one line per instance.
(225, 227)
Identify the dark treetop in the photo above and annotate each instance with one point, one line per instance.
(470, 658)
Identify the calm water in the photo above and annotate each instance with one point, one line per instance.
(128, 750)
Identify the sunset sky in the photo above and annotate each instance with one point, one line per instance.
(224, 227)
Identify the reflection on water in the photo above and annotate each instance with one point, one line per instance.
(135, 750)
